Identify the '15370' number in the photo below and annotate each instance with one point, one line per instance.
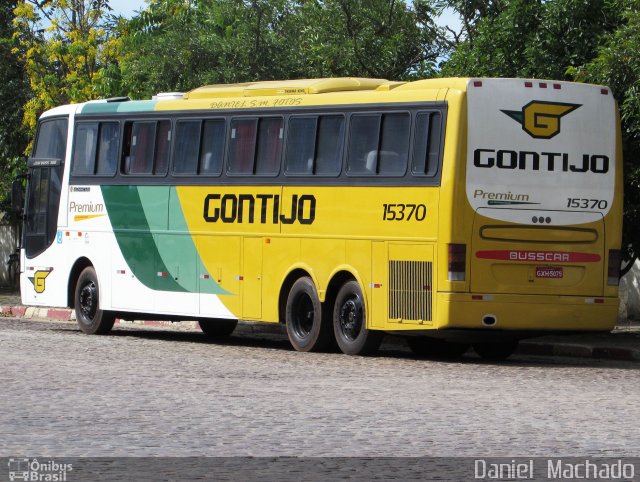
(404, 212)
(587, 203)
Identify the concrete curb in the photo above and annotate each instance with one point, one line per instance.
(578, 350)
(536, 347)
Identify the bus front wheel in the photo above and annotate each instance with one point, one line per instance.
(350, 322)
(91, 319)
(306, 327)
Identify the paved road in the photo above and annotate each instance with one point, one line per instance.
(151, 393)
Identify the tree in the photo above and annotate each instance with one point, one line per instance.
(618, 66)
(586, 40)
(66, 60)
(14, 91)
(177, 45)
(535, 38)
(368, 38)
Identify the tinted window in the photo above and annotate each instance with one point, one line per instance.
(270, 135)
(379, 144)
(329, 145)
(301, 139)
(163, 142)
(84, 149)
(212, 151)
(146, 147)
(426, 153)
(255, 146)
(44, 187)
(363, 145)
(314, 145)
(187, 147)
(199, 147)
(394, 144)
(242, 145)
(108, 148)
(52, 139)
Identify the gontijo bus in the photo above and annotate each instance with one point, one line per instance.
(452, 211)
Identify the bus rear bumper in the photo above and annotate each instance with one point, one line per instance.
(540, 313)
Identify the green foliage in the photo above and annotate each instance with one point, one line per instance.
(65, 61)
(535, 38)
(176, 45)
(617, 65)
(14, 92)
(593, 41)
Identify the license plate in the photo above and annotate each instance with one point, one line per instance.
(549, 273)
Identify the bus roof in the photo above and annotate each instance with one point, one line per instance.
(301, 92)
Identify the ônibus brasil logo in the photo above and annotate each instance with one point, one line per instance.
(540, 119)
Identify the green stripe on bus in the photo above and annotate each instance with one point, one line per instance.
(119, 107)
(167, 260)
(135, 239)
(186, 246)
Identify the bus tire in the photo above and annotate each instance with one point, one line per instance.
(424, 346)
(217, 328)
(91, 319)
(496, 350)
(350, 322)
(306, 327)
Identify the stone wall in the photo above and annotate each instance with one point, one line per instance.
(8, 243)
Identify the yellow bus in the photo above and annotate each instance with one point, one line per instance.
(450, 211)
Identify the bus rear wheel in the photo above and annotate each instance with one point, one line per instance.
(433, 348)
(496, 350)
(307, 328)
(350, 322)
(91, 319)
(217, 328)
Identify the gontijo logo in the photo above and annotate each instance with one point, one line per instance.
(38, 279)
(540, 119)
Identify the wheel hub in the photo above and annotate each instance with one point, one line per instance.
(351, 318)
(88, 300)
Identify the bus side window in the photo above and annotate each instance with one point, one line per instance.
(363, 144)
(300, 146)
(242, 145)
(394, 144)
(126, 148)
(84, 149)
(269, 148)
(145, 148)
(314, 146)
(426, 152)
(329, 145)
(108, 148)
(379, 144)
(185, 158)
(163, 142)
(212, 151)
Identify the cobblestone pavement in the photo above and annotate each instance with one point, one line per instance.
(140, 392)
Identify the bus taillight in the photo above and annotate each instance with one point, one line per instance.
(613, 273)
(457, 262)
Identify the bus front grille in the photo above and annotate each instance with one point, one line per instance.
(410, 290)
